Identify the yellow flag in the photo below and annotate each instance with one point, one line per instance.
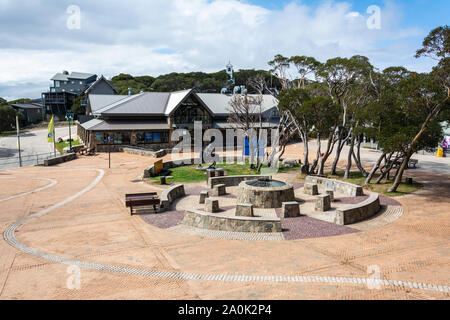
(50, 137)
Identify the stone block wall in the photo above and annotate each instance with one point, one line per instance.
(60, 159)
(145, 153)
(358, 212)
(349, 189)
(231, 181)
(171, 194)
(210, 221)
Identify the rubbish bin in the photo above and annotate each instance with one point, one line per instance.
(440, 153)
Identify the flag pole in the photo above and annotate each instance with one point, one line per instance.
(18, 140)
(54, 140)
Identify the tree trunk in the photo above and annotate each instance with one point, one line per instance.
(387, 167)
(410, 152)
(375, 168)
(349, 159)
(305, 167)
(316, 161)
(336, 158)
(357, 159)
(330, 147)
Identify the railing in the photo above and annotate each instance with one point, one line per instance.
(25, 160)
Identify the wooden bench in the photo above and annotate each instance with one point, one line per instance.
(142, 200)
(411, 162)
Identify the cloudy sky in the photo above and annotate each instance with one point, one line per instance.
(39, 38)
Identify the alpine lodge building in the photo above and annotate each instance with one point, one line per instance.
(147, 120)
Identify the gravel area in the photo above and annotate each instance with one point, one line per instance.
(165, 219)
(293, 228)
(305, 227)
(297, 185)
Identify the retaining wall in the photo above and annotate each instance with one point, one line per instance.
(349, 189)
(60, 159)
(171, 194)
(146, 153)
(358, 212)
(232, 181)
(211, 221)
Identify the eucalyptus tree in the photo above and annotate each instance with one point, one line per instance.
(279, 66)
(325, 115)
(427, 94)
(344, 77)
(294, 101)
(305, 66)
(385, 116)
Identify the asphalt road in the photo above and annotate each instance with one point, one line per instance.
(428, 163)
(33, 145)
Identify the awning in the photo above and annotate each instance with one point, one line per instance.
(103, 125)
(227, 125)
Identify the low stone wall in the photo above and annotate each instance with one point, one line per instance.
(171, 194)
(232, 181)
(170, 164)
(146, 153)
(358, 212)
(211, 221)
(349, 189)
(60, 159)
(265, 197)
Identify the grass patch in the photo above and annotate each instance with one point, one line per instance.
(190, 174)
(61, 145)
(357, 178)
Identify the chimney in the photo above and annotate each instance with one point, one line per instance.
(129, 91)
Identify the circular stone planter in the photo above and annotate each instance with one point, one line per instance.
(270, 196)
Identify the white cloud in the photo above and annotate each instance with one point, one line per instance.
(158, 36)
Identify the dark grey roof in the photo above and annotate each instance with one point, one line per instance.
(164, 103)
(60, 77)
(102, 78)
(139, 104)
(73, 75)
(81, 75)
(29, 105)
(111, 125)
(219, 103)
(99, 101)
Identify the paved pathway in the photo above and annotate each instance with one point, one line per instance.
(31, 143)
(82, 221)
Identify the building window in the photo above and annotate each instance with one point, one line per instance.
(81, 82)
(151, 137)
(57, 84)
(101, 137)
(122, 138)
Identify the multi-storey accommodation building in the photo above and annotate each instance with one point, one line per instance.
(64, 89)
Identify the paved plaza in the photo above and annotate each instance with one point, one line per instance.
(56, 220)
